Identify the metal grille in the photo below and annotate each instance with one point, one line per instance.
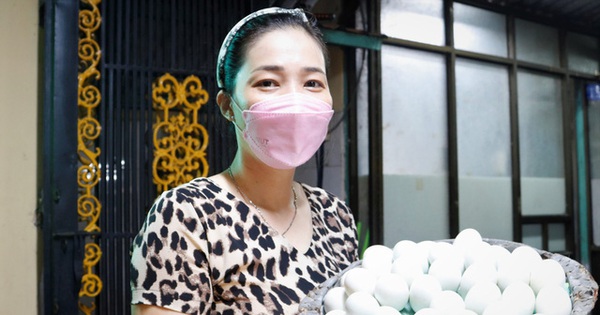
(141, 40)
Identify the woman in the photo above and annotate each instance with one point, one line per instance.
(250, 240)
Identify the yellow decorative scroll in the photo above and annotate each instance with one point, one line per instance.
(179, 140)
(88, 126)
(88, 173)
(87, 310)
(91, 283)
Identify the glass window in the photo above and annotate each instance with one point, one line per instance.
(416, 20)
(414, 145)
(556, 237)
(532, 235)
(541, 144)
(362, 117)
(593, 114)
(484, 163)
(537, 43)
(479, 30)
(582, 53)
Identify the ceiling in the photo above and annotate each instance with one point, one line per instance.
(576, 15)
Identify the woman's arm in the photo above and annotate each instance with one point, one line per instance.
(170, 249)
(141, 309)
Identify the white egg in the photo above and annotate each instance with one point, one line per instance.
(387, 310)
(498, 252)
(360, 279)
(334, 299)
(422, 290)
(553, 300)
(526, 256)
(468, 312)
(403, 248)
(521, 296)
(527, 252)
(447, 272)
(476, 273)
(342, 279)
(479, 253)
(439, 249)
(407, 268)
(426, 247)
(391, 290)
(481, 295)
(467, 238)
(417, 255)
(546, 272)
(510, 270)
(378, 258)
(361, 303)
(447, 252)
(447, 301)
(500, 307)
(336, 312)
(429, 311)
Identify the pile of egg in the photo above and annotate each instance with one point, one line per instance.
(465, 277)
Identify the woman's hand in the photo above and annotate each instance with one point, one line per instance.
(141, 309)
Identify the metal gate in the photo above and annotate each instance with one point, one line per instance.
(123, 80)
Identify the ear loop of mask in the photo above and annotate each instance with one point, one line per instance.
(233, 116)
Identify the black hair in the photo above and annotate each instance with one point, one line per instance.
(250, 32)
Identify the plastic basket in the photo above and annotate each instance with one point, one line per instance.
(584, 290)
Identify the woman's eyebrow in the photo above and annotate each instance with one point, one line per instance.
(313, 69)
(275, 68)
(271, 68)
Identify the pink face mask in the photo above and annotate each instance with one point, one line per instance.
(285, 131)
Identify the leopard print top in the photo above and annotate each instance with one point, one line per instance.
(202, 251)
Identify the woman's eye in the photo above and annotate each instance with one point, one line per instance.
(314, 83)
(266, 83)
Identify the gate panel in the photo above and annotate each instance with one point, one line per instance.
(86, 249)
(63, 248)
(143, 40)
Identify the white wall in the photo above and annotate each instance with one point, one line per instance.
(18, 155)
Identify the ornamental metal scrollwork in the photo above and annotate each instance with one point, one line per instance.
(88, 131)
(89, 128)
(91, 285)
(179, 140)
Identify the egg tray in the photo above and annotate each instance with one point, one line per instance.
(584, 290)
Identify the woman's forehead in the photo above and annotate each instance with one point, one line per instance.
(284, 47)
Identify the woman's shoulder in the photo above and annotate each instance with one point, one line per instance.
(313, 191)
(200, 187)
(326, 199)
(335, 223)
(202, 195)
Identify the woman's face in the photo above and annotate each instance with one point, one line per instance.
(280, 62)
